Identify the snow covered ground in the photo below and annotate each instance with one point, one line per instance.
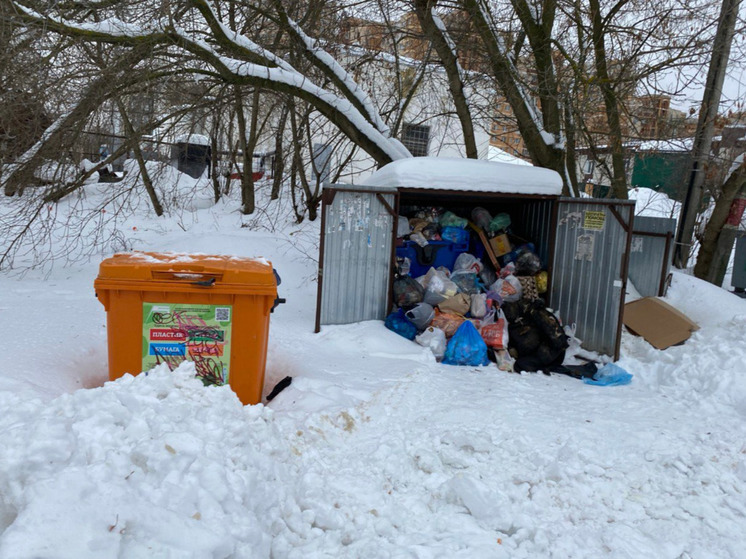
(375, 450)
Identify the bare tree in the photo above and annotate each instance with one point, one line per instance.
(705, 127)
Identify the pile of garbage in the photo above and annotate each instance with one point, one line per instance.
(471, 291)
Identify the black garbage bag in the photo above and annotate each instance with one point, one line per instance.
(524, 336)
(407, 291)
(548, 324)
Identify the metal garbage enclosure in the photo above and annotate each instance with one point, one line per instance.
(584, 242)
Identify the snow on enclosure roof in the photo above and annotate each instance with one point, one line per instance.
(502, 156)
(194, 139)
(469, 175)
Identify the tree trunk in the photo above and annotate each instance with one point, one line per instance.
(311, 198)
(529, 125)
(135, 143)
(279, 163)
(705, 129)
(570, 143)
(734, 186)
(438, 37)
(247, 182)
(214, 158)
(611, 104)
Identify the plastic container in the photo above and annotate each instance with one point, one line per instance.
(455, 235)
(435, 254)
(169, 307)
(421, 315)
(513, 255)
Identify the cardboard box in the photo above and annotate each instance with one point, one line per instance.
(500, 244)
(658, 322)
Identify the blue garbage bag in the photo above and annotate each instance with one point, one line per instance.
(466, 347)
(398, 322)
(610, 375)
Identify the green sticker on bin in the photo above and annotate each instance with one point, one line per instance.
(173, 333)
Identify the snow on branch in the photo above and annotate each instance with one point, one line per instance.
(109, 29)
(300, 83)
(237, 43)
(330, 63)
(447, 38)
(244, 59)
(549, 138)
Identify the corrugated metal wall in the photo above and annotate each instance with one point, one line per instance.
(648, 258)
(588, 267)
(536, 225)
(357, 244)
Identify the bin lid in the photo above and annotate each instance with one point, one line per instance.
(183, 268)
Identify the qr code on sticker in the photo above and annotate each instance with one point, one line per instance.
(222, 314)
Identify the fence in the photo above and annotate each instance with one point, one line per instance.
(650, 254)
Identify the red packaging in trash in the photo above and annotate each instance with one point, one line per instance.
(495, 335)
(447, 322)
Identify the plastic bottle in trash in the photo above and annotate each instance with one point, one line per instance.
(481, 217)
(404, 266)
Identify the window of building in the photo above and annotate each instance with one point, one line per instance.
(415, 138)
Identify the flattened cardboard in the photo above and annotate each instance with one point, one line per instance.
(500, 244)
(658, 322)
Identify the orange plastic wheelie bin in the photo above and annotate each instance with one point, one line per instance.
(171, 307)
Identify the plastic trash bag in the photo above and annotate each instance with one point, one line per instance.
(542, 281)
(487, 276)
(466, 281)
(421, 315)
(440, 283)
(454, 234)
(433, 297)
(610, 374)
(481, 217)
(507, 270)
(527, 264)
(498, 223)
(407, 291)
(435, 339)
(398, 322)
(437, 286)
(450, 219)
(466, 347)
(495, 297)
(402, 227)
(504, 360)
(447, 322)
(478, 307)
(495, 333)
(509, 288)
(469, 262)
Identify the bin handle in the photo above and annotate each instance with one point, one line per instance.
(201, 279)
